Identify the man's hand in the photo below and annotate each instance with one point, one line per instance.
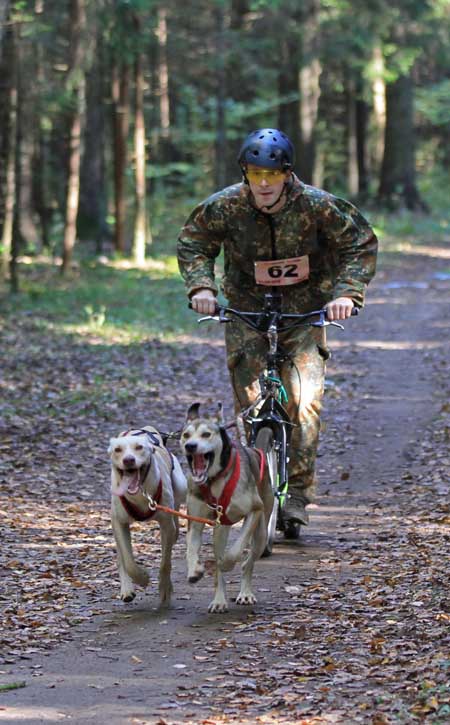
(204, 302)
(339, 309)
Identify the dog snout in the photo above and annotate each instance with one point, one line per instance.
(129, 461)
(190, 447)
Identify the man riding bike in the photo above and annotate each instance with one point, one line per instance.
(314, 249)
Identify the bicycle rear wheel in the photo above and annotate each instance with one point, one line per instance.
(264, 441)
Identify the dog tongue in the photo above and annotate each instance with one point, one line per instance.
(132, 479)
(128, 484)
(199, 464)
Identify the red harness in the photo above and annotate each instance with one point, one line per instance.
(223, 502)
(136, 512)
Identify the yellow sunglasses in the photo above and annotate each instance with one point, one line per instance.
(256, 174)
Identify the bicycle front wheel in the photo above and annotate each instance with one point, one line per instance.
(265, 441)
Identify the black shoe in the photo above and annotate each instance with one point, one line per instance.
(296, 513)
(292, 530)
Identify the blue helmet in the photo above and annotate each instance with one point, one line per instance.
(267, 147)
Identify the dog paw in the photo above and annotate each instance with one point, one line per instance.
(218, 606)
(127, 597)
(196, 575)
(246, 598)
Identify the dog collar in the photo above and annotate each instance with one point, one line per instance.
(135, 512)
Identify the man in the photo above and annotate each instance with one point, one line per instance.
(326, 255)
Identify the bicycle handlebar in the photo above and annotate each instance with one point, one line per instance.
(255, 319)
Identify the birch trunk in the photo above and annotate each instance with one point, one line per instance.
(120, 94)
(140, 237)
(9, 267)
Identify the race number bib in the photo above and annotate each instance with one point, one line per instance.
(282, 271)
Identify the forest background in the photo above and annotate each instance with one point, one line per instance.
(118, 116)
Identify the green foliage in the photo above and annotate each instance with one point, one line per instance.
(433, 103)
(413, 36)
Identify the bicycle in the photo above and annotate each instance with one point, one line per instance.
(269, 421)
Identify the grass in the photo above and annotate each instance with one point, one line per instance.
(113, 302)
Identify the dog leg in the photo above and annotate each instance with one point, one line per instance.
(168, 538)
(220, 538)
(236, 551)
(194, 542)
(129, 571)
(257, 547)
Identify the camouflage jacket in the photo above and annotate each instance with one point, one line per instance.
(340, 244)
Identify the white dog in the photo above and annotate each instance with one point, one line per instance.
(141, 466)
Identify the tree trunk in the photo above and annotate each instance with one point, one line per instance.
(76, 80)
(92, 212)
(309, 90)
(9, 268)
(356, 136)
(352, 144)
(379, 106)
(238, 74)
(41, 171)
(28, 123)
(120, 95)
(41, 182)
(289, 110)
(398, 173)
(362, 120)
(220, 161)
(4, 9)
(140, 221)
(163, 74)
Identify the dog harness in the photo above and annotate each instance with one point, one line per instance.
(134, 432)
(220, 505)
(135, 512)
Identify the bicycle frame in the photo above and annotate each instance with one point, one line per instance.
(272, 413)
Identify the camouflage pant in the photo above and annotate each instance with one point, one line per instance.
(303, 378)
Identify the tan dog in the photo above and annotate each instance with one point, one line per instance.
(234, 477)
(141, 466)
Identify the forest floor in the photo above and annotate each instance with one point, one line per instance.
(352, 622)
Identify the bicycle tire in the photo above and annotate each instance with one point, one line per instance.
(264, 441)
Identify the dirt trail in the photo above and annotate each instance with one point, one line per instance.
(325, 641)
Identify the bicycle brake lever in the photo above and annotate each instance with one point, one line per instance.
(208, 317)
(221, 317)
(327, 323)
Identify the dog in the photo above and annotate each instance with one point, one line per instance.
(141, 466)
(235, 478)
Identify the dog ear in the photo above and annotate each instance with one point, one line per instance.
(193, 412)
(219, 414)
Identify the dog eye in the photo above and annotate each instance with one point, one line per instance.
(138, 447)
(117, 449)
(206, 435)
(186, 435)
